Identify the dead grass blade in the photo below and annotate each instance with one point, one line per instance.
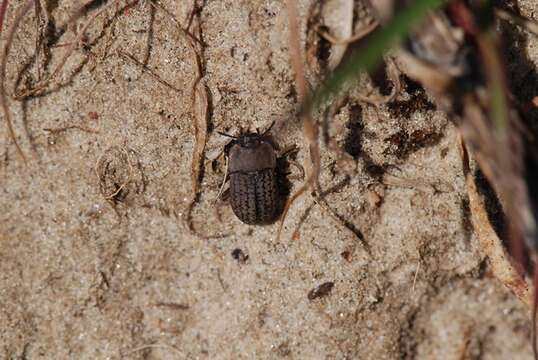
(200, 111)
(147, 70)
(200, 105)
(296, 55)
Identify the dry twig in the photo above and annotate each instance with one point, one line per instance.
(310, 128)
(394, 76)
(154, 346)
(528, 24)
(353, 38)
(70, 127)
(319, 200)
(200, 111)
(146, 69)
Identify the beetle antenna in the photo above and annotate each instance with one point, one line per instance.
(268, 129)
(228, 135)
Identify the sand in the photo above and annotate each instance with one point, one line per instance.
(86, 277)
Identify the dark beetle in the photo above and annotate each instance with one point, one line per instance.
(252, 170)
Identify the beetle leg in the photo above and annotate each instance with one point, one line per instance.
(225, 195)
(299, 167)
(289, 150)
(266, 131)
(221, 190)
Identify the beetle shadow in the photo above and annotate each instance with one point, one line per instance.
(283, 182)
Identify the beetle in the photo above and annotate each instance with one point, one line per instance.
(252, 172)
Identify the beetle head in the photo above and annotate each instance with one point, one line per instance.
(249, 140)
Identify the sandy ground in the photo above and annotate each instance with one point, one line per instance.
(82, 277)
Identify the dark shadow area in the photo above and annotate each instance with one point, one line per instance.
(354, 139)
(405, 143)
(466, 219)
(522, 76)
(402, 143)
(355, 126)
(323, 50)
(520, 69)
(492, 205)
(418, 100)
(283, 183)
(497, 217)
(381, 80)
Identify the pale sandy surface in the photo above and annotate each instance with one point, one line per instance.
(82, 280)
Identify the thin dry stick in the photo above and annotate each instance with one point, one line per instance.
(190, 16)
(396, 87)
(325, 207)
(41, 12)
(526, 23)
(296, 55)
(200, 111)
(490, 244)
(7, 47)
(70, 127)
(3, 8)
(335, 41)
(185, 32)
(148, 70)
(39, 37)
(416, 276)
(154, 346)
(310, 129)
(200, 107)
(115, 193)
